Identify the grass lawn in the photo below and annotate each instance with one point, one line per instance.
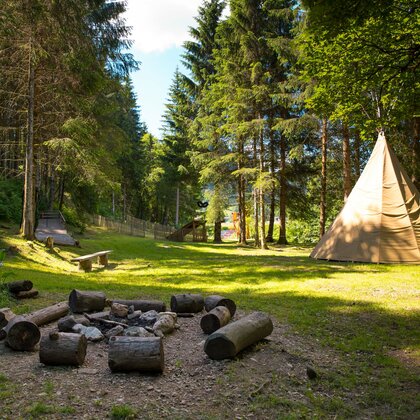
(369, 315)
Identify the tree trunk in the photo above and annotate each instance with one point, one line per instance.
(255, 197)
(263, 243)
(217, 232)
(28, 212)
(215, 300)
(282, 235)
(357, 153)
(61, 199)
(215, 319)
(270, 232)
(241, 198)
(143, 305)
(49, 314)
(81, 301)
(231, 339)
(323, 200)
(22, 334)
(415, 155)
(63, 349)
(187, 303)
(142, 354)
(346, 161)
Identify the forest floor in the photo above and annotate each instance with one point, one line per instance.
(356, 325)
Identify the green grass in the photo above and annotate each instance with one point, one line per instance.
(121, 412)
(367, 313)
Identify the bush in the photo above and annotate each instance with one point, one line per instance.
(11, 191)
(74, 218)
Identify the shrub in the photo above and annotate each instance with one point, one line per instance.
(11, 191)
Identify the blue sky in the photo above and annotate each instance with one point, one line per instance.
(159, 27)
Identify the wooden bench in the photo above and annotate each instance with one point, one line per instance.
(85, 261)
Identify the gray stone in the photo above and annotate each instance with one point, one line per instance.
(91, 333)
(113, 332)
(149, 317)
(134, 314)
(137, 332)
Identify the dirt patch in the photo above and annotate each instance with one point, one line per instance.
(265, 381)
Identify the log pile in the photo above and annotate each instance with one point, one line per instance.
(134, 329)
(22, 289)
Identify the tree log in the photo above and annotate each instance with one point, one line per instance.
(26, 295)
(232, 338)
(215, 319)
(214, 300)
(81, 301)
(143, 354)
(49, 314)
(22, 334)
(19, 286)
(6, 315)
(63, 349)
(187, 303)
(143, 305)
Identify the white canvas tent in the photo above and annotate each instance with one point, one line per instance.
(380, 221)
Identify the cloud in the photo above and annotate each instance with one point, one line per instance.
(158, 25)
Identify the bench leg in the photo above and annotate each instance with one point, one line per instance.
(103, 260)
(85, 265)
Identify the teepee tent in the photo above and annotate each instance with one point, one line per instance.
(380, 221)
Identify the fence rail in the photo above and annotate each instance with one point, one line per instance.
(134, 227)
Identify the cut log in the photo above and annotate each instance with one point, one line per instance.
(143, 305)
(215, 319)
(142, 354)
(26, 295)
(3, 334)
(19, 286)
(232, 338)
(6, 314)
(215, 300)
(63, 349)
(49, 314)
(81, 301)
(187, 303)
(22, 334)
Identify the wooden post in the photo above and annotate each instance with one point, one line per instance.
(103, 260)
(85, 265)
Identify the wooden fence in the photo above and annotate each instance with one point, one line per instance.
(134, 227)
